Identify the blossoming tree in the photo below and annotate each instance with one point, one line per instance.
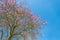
(17, 22)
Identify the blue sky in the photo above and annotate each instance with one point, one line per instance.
(48, 10)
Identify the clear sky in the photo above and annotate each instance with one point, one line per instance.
(48, 10)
